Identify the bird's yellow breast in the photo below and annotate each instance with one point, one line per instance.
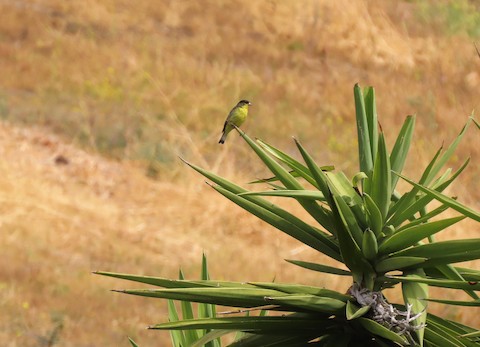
(239, 115)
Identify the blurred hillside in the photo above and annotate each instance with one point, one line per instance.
(97, 98)
(151, 80)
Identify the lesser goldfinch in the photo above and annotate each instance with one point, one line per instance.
(237, 116)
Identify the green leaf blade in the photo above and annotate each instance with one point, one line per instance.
(398, 263)
(246, 323)
(380, 330)
(413, 294)
(445, 199)
(400, 150)
(364, 144)
(295, 165)
(320, 267)
(381, 181)
(317, 212)
(315, 239)
(354, 312)
(410, 236)
(308, 302)
(372, 118)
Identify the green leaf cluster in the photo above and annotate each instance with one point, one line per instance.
(383, 236)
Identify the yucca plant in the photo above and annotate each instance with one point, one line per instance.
(384, 237)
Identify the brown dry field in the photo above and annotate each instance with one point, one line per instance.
(96, 95)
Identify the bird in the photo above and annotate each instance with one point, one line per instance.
(236, 117)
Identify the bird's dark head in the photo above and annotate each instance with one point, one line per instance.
(244, 102)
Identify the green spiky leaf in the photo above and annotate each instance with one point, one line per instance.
(320, 267)
(409, 236)
(380, 330)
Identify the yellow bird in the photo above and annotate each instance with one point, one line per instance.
(236, 117)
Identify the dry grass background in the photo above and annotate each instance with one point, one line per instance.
(96, 96)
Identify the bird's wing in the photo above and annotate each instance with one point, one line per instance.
(228, 118)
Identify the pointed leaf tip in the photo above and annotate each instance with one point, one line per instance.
(118, 290)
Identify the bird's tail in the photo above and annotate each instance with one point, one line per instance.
(222, 139)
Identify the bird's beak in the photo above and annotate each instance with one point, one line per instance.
(250, 104)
